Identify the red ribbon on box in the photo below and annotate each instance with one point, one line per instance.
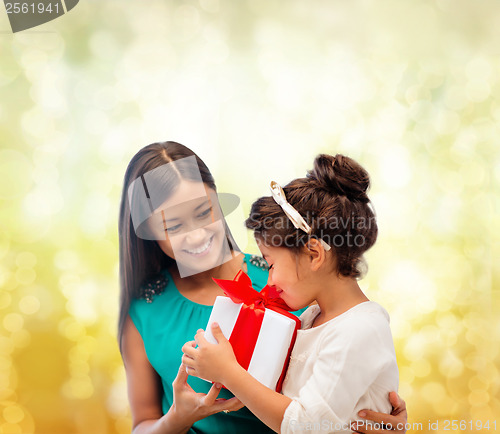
(247, 327)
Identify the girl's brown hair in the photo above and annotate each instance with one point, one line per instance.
(333, 201)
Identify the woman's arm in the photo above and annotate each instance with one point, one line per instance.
(396, 421)
(145, 390)
(218, 363)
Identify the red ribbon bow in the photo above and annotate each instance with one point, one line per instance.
(247, 327)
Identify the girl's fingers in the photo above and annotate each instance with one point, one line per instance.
(189, 348)
(217, 333)
(188, 361)
(191, 371)
(200, 338)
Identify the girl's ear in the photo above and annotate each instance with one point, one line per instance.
(316, 254)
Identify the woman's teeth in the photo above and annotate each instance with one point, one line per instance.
(200, 249)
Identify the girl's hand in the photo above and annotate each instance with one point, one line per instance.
(209, 361)
(190, 406)
(397, 419)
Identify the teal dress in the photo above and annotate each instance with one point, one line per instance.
(168, 320)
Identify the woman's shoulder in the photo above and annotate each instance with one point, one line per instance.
(257, 269)
(153, 286)
(155, 291)
(256, 261)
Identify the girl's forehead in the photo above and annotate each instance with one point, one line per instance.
(270, 251)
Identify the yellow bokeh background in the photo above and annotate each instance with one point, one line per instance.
(257, 88)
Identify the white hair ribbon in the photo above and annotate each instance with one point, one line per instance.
(294, 216)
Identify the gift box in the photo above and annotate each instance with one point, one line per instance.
(258, 326)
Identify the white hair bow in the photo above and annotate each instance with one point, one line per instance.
(294, 216)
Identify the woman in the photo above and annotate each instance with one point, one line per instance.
(173, 241)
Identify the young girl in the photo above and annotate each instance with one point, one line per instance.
(343, 359)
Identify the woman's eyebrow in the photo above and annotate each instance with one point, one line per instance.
(172, 219)
(200, 205)
(164, 218)
(179, 218)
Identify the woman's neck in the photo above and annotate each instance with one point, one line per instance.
(226, 270)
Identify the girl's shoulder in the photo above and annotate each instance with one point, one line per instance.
(368, 312)
(366, 325)
(365, 318)
(363, 329)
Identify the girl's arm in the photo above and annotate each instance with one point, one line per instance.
(218, 363)
(330, 392)
(145, 391)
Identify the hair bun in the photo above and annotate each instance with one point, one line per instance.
(341, 175)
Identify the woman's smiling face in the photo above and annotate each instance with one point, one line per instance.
(189, 228)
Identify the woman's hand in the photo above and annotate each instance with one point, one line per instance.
(395, 422)
(145, 391)
(190, 406)
(209, 361)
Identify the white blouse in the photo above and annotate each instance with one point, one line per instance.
(339, 368)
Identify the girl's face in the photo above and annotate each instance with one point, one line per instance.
(289, 274)
(189, 228)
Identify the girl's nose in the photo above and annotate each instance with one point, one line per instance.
(270, 280)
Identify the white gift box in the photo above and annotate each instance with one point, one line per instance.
(274, 340)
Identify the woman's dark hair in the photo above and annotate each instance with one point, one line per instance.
(332, 199)
(141, 259)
